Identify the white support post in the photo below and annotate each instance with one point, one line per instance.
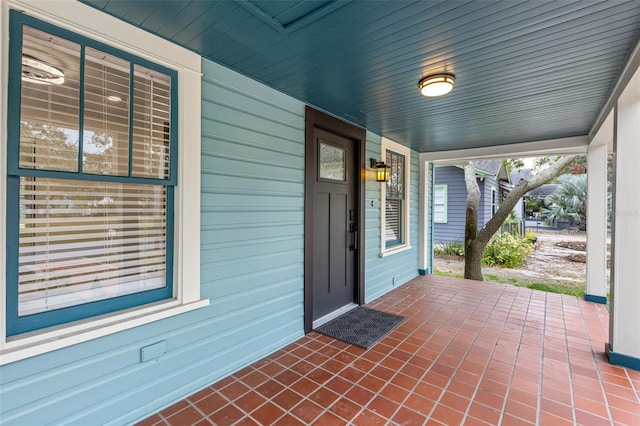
(596, 290)
(424, 248)
(624, 334)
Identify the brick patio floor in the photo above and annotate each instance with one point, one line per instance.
(468, 353)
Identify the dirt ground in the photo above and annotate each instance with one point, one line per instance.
(548, 263)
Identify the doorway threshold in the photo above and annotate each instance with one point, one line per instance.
(335, 314)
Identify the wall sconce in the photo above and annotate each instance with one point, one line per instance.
(382, 170)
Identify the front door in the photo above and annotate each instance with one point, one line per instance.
(335, 224)
(332, 215)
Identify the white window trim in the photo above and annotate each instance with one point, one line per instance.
(89, 22)
(445, 196)
(388, 144)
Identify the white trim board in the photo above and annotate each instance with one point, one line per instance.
(573, 145)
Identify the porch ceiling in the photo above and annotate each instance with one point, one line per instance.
(525, 71)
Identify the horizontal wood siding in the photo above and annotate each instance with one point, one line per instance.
(453, 230)
(252, 270)
(383, 273)
(252, 213)
(453, 177)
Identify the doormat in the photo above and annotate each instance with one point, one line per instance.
(360, 326)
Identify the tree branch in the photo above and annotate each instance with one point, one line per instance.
(524, 186)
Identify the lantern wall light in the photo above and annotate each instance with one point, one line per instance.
(382, 170)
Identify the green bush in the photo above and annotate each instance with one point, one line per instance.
(453, 248)
(507, 250)
(531, 236)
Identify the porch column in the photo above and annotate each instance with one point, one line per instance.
(424, 229)
(596, 290)
(624, 334)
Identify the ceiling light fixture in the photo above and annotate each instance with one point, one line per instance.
(114, 98)
(436, 84)
(36, 71)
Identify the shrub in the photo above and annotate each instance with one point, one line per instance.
(453, 248)
(507, 250)
(531, 236)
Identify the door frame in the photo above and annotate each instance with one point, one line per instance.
(315, 119)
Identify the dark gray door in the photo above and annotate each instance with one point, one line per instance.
(335, 224)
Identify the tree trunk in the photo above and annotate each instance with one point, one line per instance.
(476, 240)
(473, 261)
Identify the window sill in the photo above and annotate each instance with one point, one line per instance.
(395, 250)
(39, 342)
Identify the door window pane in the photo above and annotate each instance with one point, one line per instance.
(332, 162)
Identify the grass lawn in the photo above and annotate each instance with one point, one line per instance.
(550, 287)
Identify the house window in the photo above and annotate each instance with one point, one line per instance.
(394, 203)
(440, 203)
(395, 195)
(494, 200)
(92, 163)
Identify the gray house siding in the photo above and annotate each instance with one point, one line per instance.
(485, 213)
(453, 229)
(252, 253)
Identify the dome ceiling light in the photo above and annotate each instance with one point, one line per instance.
(36, 71)
(436, 84)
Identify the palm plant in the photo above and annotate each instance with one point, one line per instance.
(569, 203)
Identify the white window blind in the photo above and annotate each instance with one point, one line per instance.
(106, 114)
(50, 107)
(86, 241)
(151, 118)
(393, 214)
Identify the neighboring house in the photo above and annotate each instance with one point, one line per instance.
(450, 197)
(539, 194)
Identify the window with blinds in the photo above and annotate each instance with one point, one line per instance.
(91, 179)
(394, 200)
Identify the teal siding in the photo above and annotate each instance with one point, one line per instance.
(382, 274)
(252, 258)
(251, 269)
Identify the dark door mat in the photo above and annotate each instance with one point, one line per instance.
(360, 326)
